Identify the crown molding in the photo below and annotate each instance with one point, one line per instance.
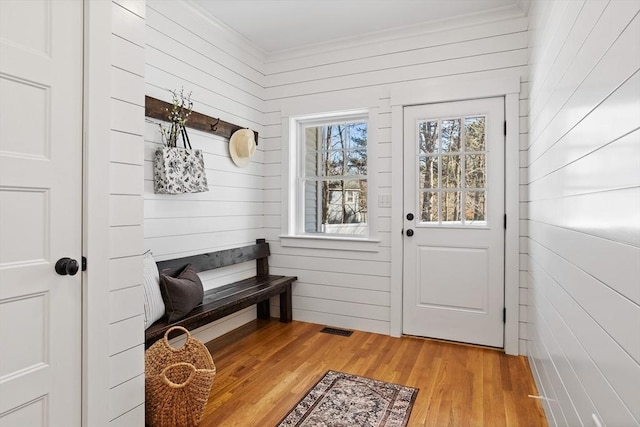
(468, 20)
(519, 9)
(232, 35)
(524, 5)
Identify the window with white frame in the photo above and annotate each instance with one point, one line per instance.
(332, 190)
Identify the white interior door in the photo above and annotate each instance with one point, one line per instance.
(40, 211)
(453, 278)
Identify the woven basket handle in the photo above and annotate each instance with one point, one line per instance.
(186, 382)
(171, 329)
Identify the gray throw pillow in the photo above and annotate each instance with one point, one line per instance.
(181, 294)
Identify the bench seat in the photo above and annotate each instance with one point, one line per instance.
(225, 300)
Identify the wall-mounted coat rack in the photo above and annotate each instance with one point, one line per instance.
(157, 109)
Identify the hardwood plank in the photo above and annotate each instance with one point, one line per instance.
(265, 367)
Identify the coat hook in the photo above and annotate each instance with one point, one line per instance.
(214, 126)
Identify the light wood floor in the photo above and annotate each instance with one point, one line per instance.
(265, 367)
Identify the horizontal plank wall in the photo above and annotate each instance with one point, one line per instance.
(126, 314)
(186, 49)
(583, 204)
(351, 289)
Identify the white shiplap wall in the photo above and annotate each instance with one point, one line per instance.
(185, 49)
(350, 288)
(230, 80)
(583, 199)
(126, 340)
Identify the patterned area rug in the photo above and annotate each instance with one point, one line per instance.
(340, 399)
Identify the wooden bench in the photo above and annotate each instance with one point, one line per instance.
(222, 301)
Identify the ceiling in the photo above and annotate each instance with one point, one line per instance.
(280, 25)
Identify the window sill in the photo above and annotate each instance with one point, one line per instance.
(337, 243)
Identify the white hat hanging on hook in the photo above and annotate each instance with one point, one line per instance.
(242, 146)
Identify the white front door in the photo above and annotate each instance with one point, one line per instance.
(40, 211)
(453, 279)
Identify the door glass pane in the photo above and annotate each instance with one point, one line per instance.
(428, 136)
(451, 172)
(428, 172)
(475, 206)
(451, 209)
(475, 170)
(428, 206)
(450, 136)
(474, 133)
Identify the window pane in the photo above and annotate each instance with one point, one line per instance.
(450, 136)
(475, 206)
(474, 133)
(333, 163)
(428, 172)
(312, 138)
(311, 214)
(357, 136)
(451, 208)
(475, 170)
(343, 150)
(451, 172)
(356, 162)
(337, 205)
(428, 137)
(343, 207)
(428, 206)
(336, 137)
(311, 163)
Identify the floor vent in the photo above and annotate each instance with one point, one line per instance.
(335, 331)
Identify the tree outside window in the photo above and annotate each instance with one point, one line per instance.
(452, 170)
(335, 177)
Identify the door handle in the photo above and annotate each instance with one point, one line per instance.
(410, 217)
(409, 232)
(66, 266)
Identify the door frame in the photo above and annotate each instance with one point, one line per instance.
(95, 205)
(502, 83)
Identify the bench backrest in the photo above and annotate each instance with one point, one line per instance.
(212, 260)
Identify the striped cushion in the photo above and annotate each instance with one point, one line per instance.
(153, 304)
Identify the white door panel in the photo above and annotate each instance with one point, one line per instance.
(454, 205)
(40, 211)
(462, 289)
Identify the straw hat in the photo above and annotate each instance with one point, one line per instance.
(242, 145)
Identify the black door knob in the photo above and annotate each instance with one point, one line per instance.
(409, 232)
(66, 266)
(410, 217)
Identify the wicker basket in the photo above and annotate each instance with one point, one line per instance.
(161, 354)
(177, 397)
(177, 381)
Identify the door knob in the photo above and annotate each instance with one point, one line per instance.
(409, 232)
(410, 217)
(66, 266)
